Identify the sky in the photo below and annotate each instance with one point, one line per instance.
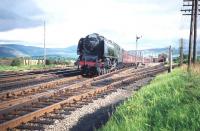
(160, 23)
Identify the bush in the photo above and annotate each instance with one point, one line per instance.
(16, 62)
(48, 62)
(67, 62)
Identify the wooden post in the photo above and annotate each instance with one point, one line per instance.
(191, 38)
(170, 59)
(195, 31)
(181, 52)
(193, 12)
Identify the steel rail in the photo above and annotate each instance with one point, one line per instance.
(29, 89)
(14, 74)
(10, 104)
(39, 78)
(29, 93)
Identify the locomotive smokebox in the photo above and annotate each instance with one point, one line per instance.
(92, 45)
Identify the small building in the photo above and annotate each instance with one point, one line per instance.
(32, 62)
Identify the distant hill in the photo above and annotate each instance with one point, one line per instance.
(14, 50)
(10, 52)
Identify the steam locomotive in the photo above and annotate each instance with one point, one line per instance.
(98, 55)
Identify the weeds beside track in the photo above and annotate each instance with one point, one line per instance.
(170, 102)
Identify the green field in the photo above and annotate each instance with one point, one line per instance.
(170, 103)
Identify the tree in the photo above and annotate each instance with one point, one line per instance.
(16, 62)
(48, 62)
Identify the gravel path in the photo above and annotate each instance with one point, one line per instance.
(97, 113)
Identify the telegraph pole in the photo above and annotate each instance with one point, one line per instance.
(191, 37)
(193, 12)
(195, 32)
(44, 43)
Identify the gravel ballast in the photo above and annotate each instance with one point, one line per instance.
(95, 114)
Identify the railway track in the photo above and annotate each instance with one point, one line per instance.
(27, 80)
(56, 104)
(13, 97)
(6, 77)
(14, 74)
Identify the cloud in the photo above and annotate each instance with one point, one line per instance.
(19, 14)
(159, 22)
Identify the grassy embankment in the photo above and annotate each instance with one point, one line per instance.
(171, 102)
(24, 67)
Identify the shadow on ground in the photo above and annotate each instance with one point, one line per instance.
(95, 120)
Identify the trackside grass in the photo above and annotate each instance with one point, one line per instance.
(170, 103)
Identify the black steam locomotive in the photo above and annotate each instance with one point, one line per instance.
(98, 55)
